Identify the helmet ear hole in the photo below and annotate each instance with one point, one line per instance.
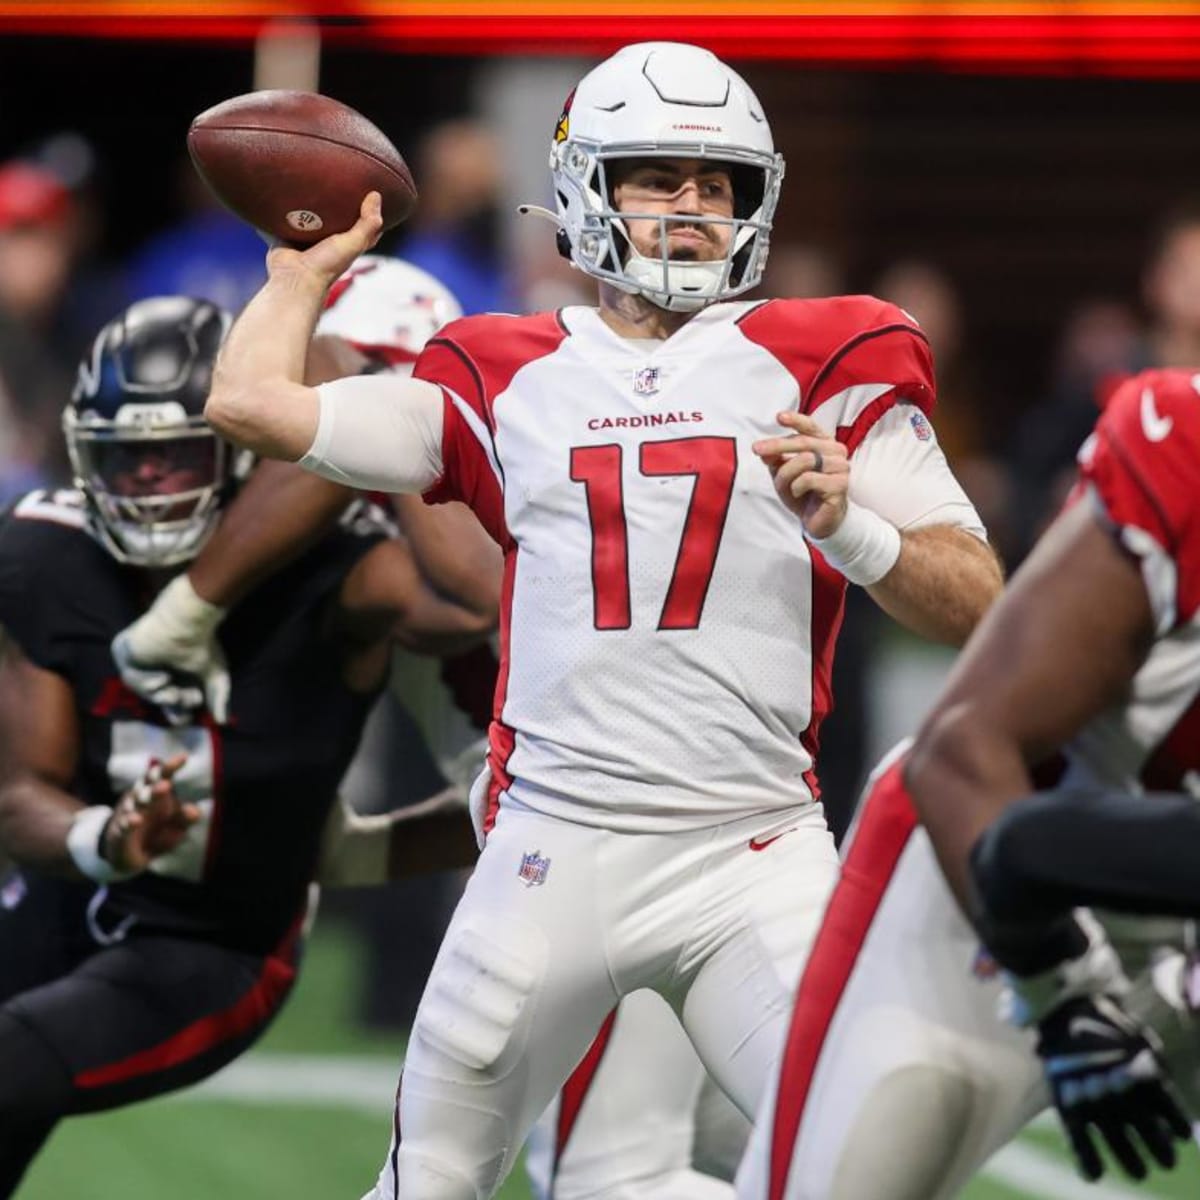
(563, 243)
(749, 189)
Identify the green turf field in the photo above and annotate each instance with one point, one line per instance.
(307, 1116)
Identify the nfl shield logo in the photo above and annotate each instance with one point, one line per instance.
(645, 381)
(533, 868)
(921, 427)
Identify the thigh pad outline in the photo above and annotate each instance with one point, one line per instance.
(479, 992)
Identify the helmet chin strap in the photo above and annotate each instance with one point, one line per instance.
(697, 281)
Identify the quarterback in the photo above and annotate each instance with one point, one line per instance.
(672, 592)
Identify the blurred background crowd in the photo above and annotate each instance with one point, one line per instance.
(1045, 232)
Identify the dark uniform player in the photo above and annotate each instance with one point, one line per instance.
(145, 983)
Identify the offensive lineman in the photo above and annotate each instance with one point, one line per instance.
(667, 623)
(192, 843)
(1091, 651)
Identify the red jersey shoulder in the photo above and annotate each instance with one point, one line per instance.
(1145, 459)
(1144, 462)
(833, 343)
(477, 357)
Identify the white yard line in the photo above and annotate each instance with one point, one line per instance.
(368, 1085)
(1038, 1172)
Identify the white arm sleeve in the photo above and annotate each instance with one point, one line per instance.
(907, 480)
(381, 432)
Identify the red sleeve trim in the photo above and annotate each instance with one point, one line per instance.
(840, 353)
(853, 435)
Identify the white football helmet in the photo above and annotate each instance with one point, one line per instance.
(387, 309)
(664, 100)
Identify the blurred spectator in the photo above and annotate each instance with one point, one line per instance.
(802, 272)
(210, 253)
(97, 290)
(545, 280)
(1171, 288)
(36, 256)
(454, 233)
(927, 293)
(1101, 343)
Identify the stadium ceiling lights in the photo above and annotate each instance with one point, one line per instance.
(1147, 38)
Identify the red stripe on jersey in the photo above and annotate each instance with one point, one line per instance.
(852, 436)
(828, 608)
(1176, 755)
(575, 1090)
(895, 353)
(830, 344)
(888, 820)
(501, 737)
(1145, 466)
(477, 357)
(116, 697)
(468, 475)
(254, 1009)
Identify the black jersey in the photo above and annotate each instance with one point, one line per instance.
(265, 781)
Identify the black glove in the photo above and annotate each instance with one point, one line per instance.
(1104, 1073)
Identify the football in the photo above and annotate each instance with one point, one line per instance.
(296, 165)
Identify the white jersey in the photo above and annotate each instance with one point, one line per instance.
(667, 631)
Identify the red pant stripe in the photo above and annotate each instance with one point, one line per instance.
(887, 822)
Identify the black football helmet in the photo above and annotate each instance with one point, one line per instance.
(154, 474)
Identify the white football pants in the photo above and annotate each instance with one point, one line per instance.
(639, 1118)
(557, 923)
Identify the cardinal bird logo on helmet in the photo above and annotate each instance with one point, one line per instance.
(562, 130)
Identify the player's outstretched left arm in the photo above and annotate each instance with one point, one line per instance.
(937, 580)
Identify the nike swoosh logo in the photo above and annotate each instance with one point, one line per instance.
(1154, 426)
(763, 843)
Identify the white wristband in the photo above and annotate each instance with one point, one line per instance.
(83, 844)
(864, 547)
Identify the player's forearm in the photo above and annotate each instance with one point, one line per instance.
(454, 553)
(941, 585)
(280, 513)
(436, 626)
(960, 775)
(258, 398)
(1053, 851)
(35, 819)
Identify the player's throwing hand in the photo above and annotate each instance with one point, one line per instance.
(331, 256)
(811, 471)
